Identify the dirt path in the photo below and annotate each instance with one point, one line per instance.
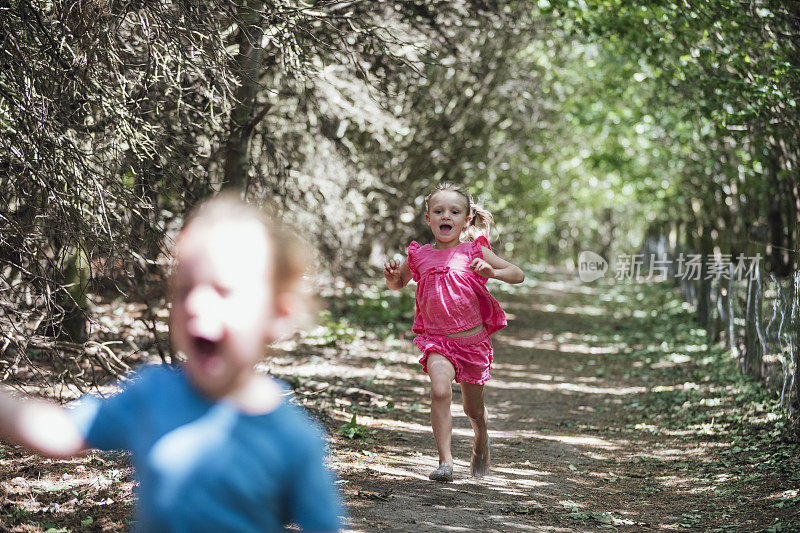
(607, 411)
(566, 456)
(548, 449)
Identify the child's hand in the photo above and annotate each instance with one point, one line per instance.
(391, 271)
(39, 425)
(482, 268)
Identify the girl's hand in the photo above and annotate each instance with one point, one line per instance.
(391, 271)
(397, 274)
(497, 267)
(482, 268)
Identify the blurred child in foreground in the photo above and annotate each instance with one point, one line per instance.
(216, 446)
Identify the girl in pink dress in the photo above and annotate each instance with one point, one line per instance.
(455, 314)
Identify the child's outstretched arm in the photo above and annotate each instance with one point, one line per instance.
(39, 425)
(397, 275)
(494, 266)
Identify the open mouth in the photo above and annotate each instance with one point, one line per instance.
(444, 228)
(206, 356)
(204, 347)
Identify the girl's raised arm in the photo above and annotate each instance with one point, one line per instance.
(39, 425)
(494, 266)
(397, 275)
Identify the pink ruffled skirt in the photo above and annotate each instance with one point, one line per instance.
(470, 356)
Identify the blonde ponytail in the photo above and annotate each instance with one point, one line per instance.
(480, 225)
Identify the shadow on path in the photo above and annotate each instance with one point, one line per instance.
(564, 457)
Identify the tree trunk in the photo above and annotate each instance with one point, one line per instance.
(731, 330)
(607, 239)
(248, 65)
(796, 351)
(146, 186)
(779, 227)
(753, 353)
(75, 271)
(687, 286)
(791, 220)
(704, 285)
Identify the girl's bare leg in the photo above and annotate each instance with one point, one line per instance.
(474, 408)
(441, 373)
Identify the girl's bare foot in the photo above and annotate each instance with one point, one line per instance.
(479, 465)
(443, 473)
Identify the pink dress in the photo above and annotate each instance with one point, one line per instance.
(450, 298)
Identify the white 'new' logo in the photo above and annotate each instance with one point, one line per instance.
(591, 266)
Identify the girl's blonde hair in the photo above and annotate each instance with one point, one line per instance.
(482, 220)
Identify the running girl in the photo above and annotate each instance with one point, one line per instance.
(455, 314)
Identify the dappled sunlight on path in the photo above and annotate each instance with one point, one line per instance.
(565, 456)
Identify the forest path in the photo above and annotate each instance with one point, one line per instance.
(607, 411)
(566, 455)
